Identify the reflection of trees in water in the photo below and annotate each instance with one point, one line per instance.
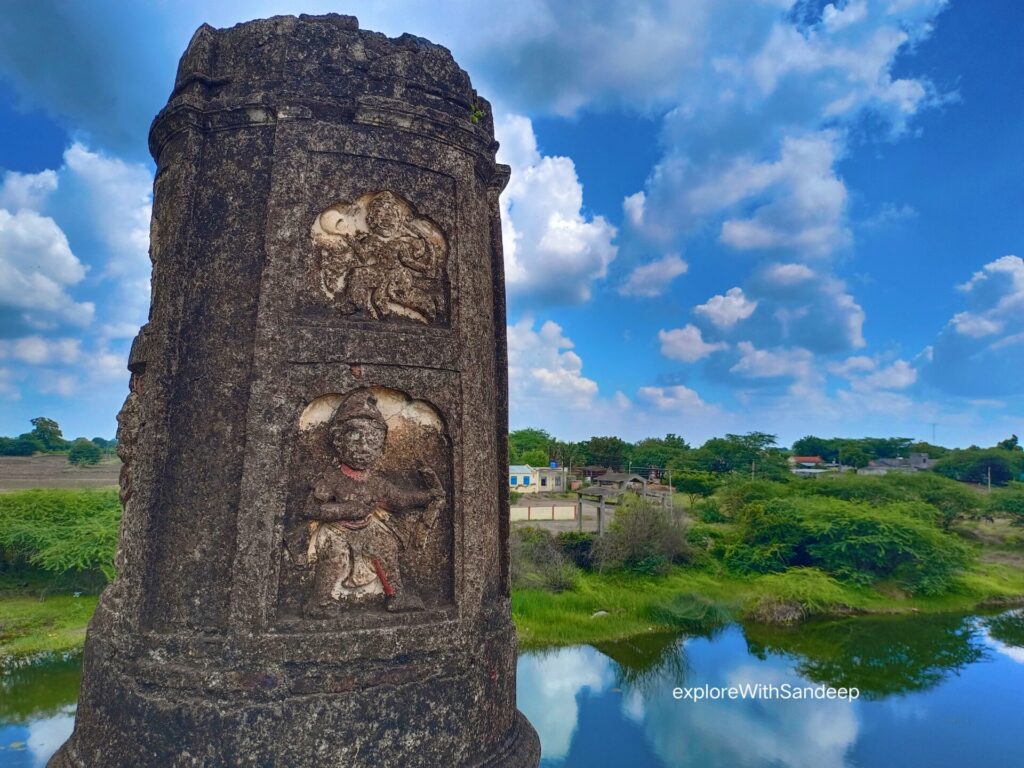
(881, 656)
(1007, 628)
(39, 690)
(646, 661)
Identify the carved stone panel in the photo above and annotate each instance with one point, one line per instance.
(379, 260)
(368, 527)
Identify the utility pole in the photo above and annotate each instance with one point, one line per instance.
(751, 470)
(990, 479)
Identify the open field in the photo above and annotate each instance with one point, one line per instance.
(18, 473)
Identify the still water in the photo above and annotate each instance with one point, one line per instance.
(934, 691)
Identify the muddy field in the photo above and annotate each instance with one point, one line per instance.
(54, 471)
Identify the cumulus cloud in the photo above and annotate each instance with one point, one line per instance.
(26, 190)
(725, 311)
(542, 366)
(676, 398)
(852, 366)
(772, 363)
(898, 375)
(36, 269)
(37, 350)
(980, 353)
(553, 253)
(687, 344)
(654, 278)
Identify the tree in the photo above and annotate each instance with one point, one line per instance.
(48, 433)
(522, 440)
(26, 445)
(815, 446)
(657, 452)
(974, 465)
(84, 452)
(537, 457)
(1009, 444)
(608, 451)
(695, 484)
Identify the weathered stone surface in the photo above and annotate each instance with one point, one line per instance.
(313, 568)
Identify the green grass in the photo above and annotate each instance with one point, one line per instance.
(32, 627)
(637, 605)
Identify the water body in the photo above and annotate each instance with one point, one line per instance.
(935, 691)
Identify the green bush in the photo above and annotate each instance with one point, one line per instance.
(59, 531)
(853, 542)
(537, 561)
(709, 511)
(735, 497)
(642, 538)
(1007, 503)
(20, 446)
(84, 452)
(577, 546)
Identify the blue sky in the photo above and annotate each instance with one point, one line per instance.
(724, 215)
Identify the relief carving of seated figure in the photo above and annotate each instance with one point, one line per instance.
(364, 520)
(388, 258)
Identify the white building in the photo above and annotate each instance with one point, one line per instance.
(523, 478)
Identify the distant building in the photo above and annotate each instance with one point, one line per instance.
(552, 479)
(523, 478)
(916, 462)
(621, 481)
(806, 462)
(810, 466)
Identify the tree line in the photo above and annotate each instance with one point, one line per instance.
(760, 455)
(47, 437)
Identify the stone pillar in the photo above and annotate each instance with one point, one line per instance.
(313, 562)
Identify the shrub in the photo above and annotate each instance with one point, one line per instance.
(20, 446)
(537, 561)
(577, 546)
(709, 511)
(737, 496)
(853, 542)
(60, 531)
(642, 538)
(84, 452)
(1008, 503)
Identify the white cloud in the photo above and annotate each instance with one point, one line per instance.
(977, 352)
(675, 398)
(633, 207)
(686, 344)
(975, 326)
(788, 274)
(37, 350)
(36, 268)
(118, 199)
(725, 311)
(26, 190)
(899, 375)
(806, 213)
(8, 389)
(63, 384)
(771, 363)
(852, 366)
(653, 279)
(543, 367)
(553, 253)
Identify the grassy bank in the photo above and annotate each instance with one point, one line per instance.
(31, 627)
(629, 605)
